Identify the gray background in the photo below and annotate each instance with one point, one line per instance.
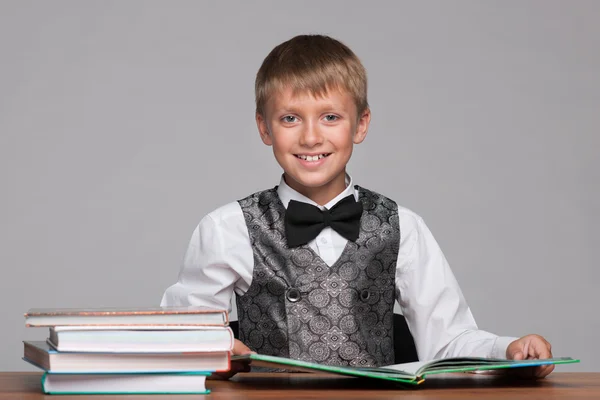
(123, 123)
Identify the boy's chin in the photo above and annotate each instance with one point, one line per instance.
(312, 182)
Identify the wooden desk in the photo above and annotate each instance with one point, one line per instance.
(26, 386)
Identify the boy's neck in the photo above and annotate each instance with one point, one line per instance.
(321, 194)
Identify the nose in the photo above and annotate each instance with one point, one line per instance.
(311, 136)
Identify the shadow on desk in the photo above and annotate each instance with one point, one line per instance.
(310, 381)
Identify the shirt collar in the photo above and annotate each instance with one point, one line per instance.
(286, 194)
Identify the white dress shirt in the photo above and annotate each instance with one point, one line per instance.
(219, 261)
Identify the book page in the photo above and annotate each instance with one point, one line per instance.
(407, 368)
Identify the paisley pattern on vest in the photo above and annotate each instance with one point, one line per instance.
(299, 307)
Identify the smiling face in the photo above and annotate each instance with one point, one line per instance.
(312, 139)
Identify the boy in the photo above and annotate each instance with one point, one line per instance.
(317, 263)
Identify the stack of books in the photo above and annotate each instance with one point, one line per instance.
(129, 351)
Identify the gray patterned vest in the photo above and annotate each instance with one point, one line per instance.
(299, 307)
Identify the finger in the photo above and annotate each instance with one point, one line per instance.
(540, 349)
(543, 371)
(526, 350)
(240, 348)
(518, 356)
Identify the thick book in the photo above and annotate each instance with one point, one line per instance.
(46, 317)
(43, 356)
(409, 373)
(141, 339)
(174, 383)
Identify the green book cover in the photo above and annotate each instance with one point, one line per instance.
(409, 373)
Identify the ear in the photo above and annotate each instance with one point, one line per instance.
(263, 129)
(362, 127)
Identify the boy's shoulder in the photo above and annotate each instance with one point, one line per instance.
(409, 220)
(225, 213)
(403, 212)
(232, 210)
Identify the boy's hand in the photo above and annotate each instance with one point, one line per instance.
(239, 349)
(531, 347)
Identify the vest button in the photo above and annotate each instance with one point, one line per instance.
(365, 294)
(293, 295)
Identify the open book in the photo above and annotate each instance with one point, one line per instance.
(410, 373)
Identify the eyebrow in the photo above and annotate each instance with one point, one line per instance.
(320, 109)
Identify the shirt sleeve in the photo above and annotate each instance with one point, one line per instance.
(436, 312)
(218, 261)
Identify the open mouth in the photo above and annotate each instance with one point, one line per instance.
(316, 157)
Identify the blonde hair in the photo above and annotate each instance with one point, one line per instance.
(313, 63)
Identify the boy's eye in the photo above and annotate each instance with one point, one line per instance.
(331, 118)
(289, 119)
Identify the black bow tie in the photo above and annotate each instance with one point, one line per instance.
(303, 222)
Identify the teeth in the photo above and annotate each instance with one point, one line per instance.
(311, 158)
